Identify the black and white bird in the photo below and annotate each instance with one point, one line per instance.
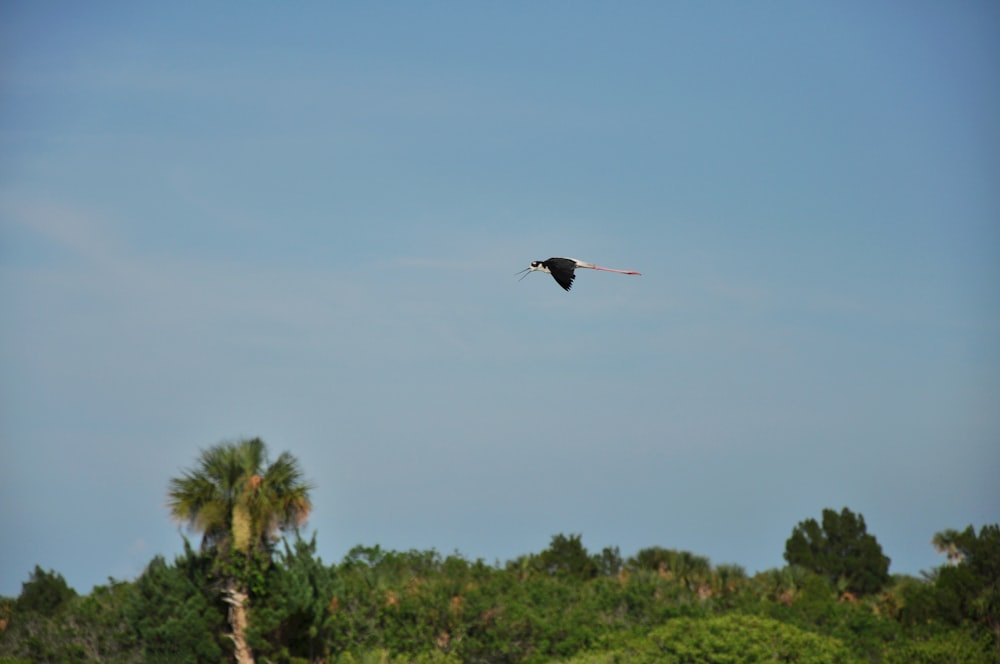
(563, 270)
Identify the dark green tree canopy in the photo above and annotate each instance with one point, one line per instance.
(175, 612)
(567, 555)
(44, 592)
(383, 605)
(969, 586)
(841, 550)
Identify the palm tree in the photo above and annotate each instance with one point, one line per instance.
(947, 542)
(239, 503)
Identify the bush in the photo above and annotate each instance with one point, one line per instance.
(728, 639)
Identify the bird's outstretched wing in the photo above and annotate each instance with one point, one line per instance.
(563, 271)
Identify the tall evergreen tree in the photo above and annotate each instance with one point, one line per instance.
(568, 556)
(45, 592)
(174, 612)
(295, 621)
(840, 549)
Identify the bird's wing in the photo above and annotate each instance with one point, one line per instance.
(564, 279)
(562, 270)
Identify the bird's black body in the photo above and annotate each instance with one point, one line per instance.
(561, 269)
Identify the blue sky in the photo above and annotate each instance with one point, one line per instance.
(303, 224)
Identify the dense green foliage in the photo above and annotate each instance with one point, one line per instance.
(44, 592)
(966, 590)
(561, 604)
(176, 613)
(727, 638)
(842, 550)
(242, 598)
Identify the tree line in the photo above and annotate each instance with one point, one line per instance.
(254, 590)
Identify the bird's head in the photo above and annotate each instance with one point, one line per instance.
(532, 267)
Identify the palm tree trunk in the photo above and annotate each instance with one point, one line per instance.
(238, 620)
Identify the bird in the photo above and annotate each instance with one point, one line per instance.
(563, 270)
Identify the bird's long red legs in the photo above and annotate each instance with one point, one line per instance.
(608, 269)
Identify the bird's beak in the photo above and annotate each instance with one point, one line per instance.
(526, 271)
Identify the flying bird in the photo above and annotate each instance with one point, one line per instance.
(563, 270)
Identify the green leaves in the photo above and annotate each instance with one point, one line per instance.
(661, 605)
(379, 605)
(728, 639)
(294, 617)
(44, 592)
(237, 500)
(967, 589)
(94, 627)
(841, 550)
(176, 611)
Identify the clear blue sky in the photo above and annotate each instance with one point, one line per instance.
(303, 223)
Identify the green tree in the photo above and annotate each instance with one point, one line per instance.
(731, 638)
(56, 626)
(294, 621)
(968, 588)
(782, 587)
(101, 626)
(34, 625)
(688, 570)
(175, 613)
(44, 592)
(609, 561)
(568, 556)
(239, 502)
(842, 550)
(947, 542)
(951, 647)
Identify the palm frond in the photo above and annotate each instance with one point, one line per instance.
(234, 496)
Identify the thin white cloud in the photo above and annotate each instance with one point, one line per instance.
(81, 232)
